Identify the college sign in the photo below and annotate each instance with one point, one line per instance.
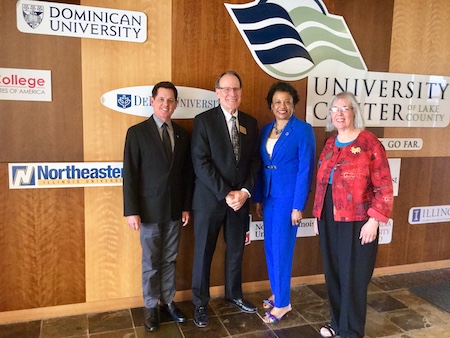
(294, 39)
(25, 84)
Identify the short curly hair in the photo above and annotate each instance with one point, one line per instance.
(281, 87)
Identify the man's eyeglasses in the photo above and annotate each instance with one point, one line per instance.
(342, 109)
(230, 89)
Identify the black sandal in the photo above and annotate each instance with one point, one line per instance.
(330, 329)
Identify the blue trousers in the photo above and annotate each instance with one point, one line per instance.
(279, 243)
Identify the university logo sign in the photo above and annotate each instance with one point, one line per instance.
(64, 175)
(61, 19)
(22, 176)
(289, 38)
(294, 39)
(124, 101)
(136, 101)
(33, 14)
(429, 214)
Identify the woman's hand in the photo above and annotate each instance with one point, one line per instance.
(296, 217)
(369, 231)
(316, 226)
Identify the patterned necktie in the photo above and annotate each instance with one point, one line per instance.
(166, 142)
(235, 137)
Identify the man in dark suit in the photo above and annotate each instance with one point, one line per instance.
(157, 192)
(226, 163)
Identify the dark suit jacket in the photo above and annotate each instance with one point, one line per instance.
(153, 188)
(216, 170)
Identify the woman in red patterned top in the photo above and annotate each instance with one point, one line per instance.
(353, 194)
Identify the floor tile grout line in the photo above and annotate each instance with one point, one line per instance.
(180, 330)
(388, 287)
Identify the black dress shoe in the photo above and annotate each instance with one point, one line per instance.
(151, 321)
(200, 316)
(242, 304)
(174, 312)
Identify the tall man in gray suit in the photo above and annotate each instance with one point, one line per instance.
(157, 192)
(226, 163)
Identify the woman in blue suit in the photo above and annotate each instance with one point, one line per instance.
(288, 153)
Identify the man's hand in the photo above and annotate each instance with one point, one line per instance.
(236, 199)
(134, 222)
(185, 217)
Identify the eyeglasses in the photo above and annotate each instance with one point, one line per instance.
(341, 109)
(230, 89)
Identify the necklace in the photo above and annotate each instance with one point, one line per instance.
(277, 131)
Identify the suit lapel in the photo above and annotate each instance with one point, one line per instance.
(264, 138)
(283, 137)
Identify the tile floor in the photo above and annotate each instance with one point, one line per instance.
(392, 311)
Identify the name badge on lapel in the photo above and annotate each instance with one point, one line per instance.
(243, 130)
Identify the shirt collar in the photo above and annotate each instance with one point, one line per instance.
(159, 122)
(228, 115)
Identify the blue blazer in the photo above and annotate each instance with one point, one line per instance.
(288, 173)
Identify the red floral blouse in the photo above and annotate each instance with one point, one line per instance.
(362, 183)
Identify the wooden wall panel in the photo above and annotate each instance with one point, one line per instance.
(420, 46)
(370, 23)
(41, 230)
(112, 249)
(420, 37)
(423, 182)
(42, 258)
(41, 131)
(113, 253)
